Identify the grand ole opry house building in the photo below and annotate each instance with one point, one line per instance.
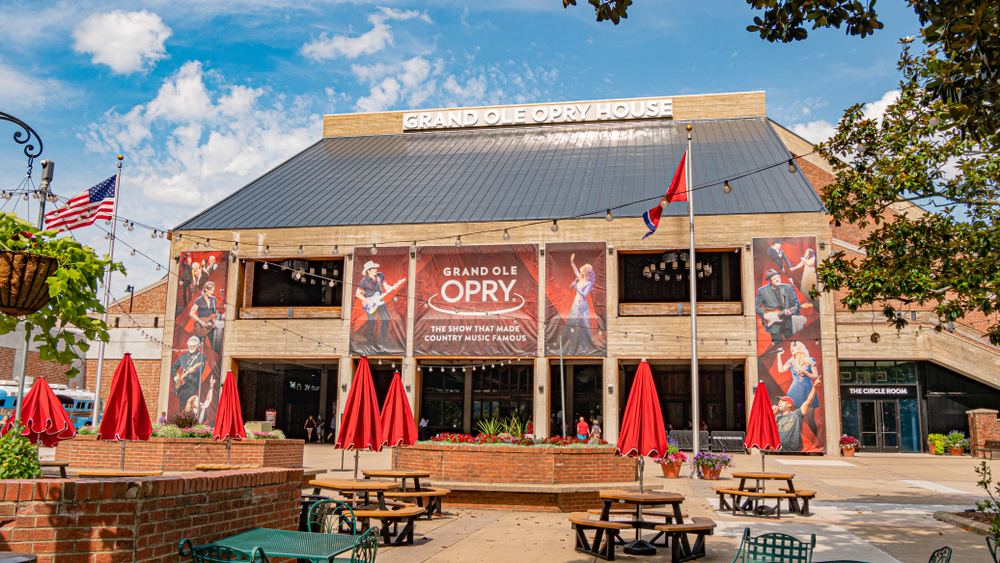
(473, 249)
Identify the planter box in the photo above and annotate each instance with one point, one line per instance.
(178, 454)
(517, 464)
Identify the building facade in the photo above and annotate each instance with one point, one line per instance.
(496, 258)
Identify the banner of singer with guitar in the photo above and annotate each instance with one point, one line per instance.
(789, 350)
(199, 331)
(378, 314)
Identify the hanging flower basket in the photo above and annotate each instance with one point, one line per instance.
(23, 289)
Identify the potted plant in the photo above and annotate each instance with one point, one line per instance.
(847, 445)
(711, 465)
(935, 444)
(957, 442)
(671, 463)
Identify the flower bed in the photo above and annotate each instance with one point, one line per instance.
(505, 462)
(178, 454)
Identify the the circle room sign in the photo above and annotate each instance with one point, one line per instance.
(477, 300)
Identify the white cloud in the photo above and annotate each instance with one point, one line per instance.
(370, 42)
(126, 42)
(207, 142)
(819, 131)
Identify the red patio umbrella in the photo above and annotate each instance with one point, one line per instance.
(642, 434)
(361, 427)
(762, 430)
(398, 427)
(43, 417)
(125, 416)
(229, 418)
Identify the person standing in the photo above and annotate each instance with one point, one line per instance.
(582, 429)
(310, 425)
(320, 427)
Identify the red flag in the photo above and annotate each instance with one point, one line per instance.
(229, 419)
(361, 428)
(43, 417)
(125, 414)
(678, 191)
(398, 427)
(642, 430)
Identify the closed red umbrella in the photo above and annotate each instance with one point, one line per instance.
(43, 417)
(398, 427)
(229, 418)
(361, 427)
(762, 430)
(642, 434)
(125, 415)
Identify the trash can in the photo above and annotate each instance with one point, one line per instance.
(307, 502)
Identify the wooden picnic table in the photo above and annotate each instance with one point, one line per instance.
(349, 487)
(62, 465)
(401, 474)
(308, 546)
(115, 473)
(649, 498)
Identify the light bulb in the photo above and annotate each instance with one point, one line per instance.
(791, 166)
(555, 226)
(609, 217)
(506, 235)
(726, 188)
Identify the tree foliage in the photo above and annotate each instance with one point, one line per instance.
(945, 258)
(73, 291)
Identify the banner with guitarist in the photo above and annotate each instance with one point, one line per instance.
(789, 345)
(199, 331)
(378, 313)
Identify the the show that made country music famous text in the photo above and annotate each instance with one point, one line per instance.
(789, 353)
(199, 331)
(476, 300)
(575, 298)
(378, 312)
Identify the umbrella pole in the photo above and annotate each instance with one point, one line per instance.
(123, 455)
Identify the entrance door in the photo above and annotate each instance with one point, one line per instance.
(879, 425)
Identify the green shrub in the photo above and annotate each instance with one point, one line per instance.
(19, 455)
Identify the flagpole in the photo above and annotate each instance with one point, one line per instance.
(695, 411)
(107, 298)
(48, 168)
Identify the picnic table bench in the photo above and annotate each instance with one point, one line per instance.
(433, 496)
(62, 465)
(115, 473)
(392, 518)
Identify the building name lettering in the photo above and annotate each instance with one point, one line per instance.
(534, 115)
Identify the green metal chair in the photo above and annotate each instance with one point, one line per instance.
(365, 549)
(332, 517)
(991, 542)
(218, 554)
(774, 548)
(942, 555)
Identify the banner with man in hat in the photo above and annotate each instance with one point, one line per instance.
(378, 313)
(789, 340)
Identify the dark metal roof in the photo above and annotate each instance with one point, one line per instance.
(516, 174)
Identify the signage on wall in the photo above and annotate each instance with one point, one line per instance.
(646, 108)
(877, 392)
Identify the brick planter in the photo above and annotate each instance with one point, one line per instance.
(517, 464)
(177, 454)
(141, 520)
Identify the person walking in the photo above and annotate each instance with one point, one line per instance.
(320, 424)
(310, 425)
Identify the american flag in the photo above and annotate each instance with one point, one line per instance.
(83, 209)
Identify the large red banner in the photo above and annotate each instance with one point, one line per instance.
(199, 331)
(378, 313)
(575, 298)
(476, 301)
(789, 352)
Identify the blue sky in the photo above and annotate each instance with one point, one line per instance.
(203, 97)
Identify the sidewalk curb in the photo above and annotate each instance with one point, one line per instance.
(972, 526)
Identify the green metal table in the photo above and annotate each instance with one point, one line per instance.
(287, 543)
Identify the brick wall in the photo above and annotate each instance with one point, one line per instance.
(983, 425)
(142, 519)
(178, 454)
(53, 372)
(148, 372)
(513, 464)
